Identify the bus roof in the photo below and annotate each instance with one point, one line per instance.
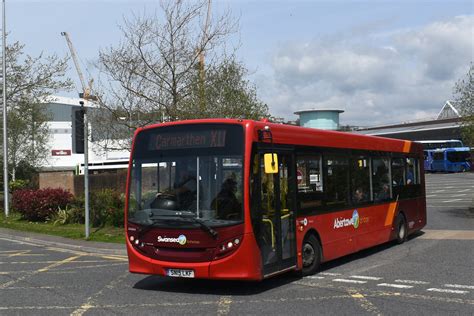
(297, 135)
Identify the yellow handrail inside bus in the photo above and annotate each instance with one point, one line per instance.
(272, 230)
(266, 220)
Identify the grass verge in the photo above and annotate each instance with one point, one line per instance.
(74, 231)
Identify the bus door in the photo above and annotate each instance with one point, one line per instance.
(277, 239)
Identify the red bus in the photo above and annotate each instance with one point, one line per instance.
(241, 199)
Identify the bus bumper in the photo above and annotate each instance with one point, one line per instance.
(243, 264)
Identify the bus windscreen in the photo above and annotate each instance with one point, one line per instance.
(181, 174)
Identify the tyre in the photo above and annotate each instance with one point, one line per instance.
(401, 227)
(311, 253)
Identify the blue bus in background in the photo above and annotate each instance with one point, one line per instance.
(446, 156)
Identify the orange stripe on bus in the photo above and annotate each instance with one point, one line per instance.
(406, 146)
(391, 213)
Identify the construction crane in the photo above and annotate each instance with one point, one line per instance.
(201, 58)
(86, 90)
(86, 95)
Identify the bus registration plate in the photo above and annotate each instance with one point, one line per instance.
(180, 273)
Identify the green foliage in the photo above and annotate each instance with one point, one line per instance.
(464, 98)
(30, 81)
(60, 217)
(166, 69)
(38, 205)
(224, 93)
(18, 185)
(76, 211)
(76, 231)
(107, 207)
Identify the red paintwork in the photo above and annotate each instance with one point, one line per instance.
(245, 262)
(199, 247)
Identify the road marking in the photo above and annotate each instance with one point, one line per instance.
(459, 286)
(315, 277)
(95, 266)
(465, 190)
(412, 282)
(119, 258)
(51, 261)
(397, 286)
(428, 196)
(28, 274)
(91, 301)
(54, 265)
(18, 253)
(134, 306)
(223, 307)
(364, 302)
(453, 200)
(447, 234)
(456, 195)
(363, 277)
(447, 291)
(19, 242)
(329, 273)
(21, 253)
(349, 281)
(32, 287)
(438, 191)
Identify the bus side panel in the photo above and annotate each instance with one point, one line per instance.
(413, 214)
(375, 225)
(335, 241)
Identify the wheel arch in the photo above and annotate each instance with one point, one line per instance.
(315, 233)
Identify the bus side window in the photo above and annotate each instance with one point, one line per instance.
(360, 180)
(411, 174)
(398, 177)
(381, 179)
(310, 182)
(337, 181)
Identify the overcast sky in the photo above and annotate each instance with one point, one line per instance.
(380, 61)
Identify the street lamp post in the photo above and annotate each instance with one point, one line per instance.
(86, 168)
(5, 138)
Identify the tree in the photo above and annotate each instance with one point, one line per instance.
(226, 93)
(30, 80)
(156, 73)
(464, 98)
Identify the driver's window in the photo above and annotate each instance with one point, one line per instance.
(156, 178)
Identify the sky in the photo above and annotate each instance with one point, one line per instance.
(380, 61)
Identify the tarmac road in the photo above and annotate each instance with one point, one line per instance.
(430, 274)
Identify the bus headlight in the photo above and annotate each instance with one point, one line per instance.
(228, 247)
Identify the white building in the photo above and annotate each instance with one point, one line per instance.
(65, 151)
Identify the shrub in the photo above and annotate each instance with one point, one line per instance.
(38, 205)
(61, 216)
(18, 185)
(77, 211)
(106, 207)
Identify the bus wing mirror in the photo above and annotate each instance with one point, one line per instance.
(271, 163)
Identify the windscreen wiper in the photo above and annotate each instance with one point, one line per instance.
(204, 226)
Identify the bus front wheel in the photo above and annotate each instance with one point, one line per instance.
(401, 226)
(311, 253)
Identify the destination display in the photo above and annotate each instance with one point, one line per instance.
(194, 139)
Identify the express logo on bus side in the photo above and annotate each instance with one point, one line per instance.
(343, 222)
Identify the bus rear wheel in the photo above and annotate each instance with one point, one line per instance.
(311, 253)
(401, 226)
